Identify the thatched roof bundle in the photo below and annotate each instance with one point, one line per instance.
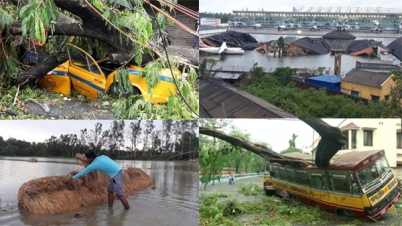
(50, 195)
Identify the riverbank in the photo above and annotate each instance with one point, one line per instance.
(307, 32)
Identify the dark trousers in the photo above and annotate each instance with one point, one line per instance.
(195, 39)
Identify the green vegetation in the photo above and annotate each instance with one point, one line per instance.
(266, 211)
(292, 146)
(251, 189)
(134, 31)
(310, 103)
(215, 154)
(117, 141)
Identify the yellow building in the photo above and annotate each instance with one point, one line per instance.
(368, 85)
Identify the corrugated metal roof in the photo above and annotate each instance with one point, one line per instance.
(347, 9)
(236, 103)
(316, 45)
(367, 78)
(396, 47)
(339, 35)
(327, 78)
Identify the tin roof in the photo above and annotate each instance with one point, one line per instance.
(327, 78)
(349, 126)
(352, 159)
(220, 99)
(316, 45)
(339, 35)
(396, 47)
(367, 78)
(347, 9)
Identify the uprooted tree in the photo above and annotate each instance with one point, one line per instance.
(119, 29)
(331, 142)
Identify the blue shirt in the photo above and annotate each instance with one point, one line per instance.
(103, 164)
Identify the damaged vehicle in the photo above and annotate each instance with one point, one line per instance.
(90, 78)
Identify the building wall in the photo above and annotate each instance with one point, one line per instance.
(366, 91)
(179, 36)
(328, 85)
(384, 137)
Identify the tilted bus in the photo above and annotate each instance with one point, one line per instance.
(357, 184)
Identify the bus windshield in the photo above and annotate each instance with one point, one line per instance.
(373, 172)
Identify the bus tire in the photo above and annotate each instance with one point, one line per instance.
(294, 198)
(343, 212)
(269, 192)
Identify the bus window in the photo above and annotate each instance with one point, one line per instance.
(276, 172)
(303, 178)
(284, 174)
(340, 183)
(317, 181)
(292, 175)
(354, 187)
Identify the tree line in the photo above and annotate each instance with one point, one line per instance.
(146, 139)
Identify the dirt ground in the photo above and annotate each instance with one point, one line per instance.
(73, 108)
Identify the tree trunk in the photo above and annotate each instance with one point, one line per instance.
(263, 151)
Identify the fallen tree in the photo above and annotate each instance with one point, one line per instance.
(331, 142)
(124, 31)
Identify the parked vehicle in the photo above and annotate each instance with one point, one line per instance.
(267, 183)
(359, 184)
(91, 78)
(282, 27)
(258, 26)
(376, 30)
(314, 28)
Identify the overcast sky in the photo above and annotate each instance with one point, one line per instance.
(40, 130)
(278, 132)
(227, 6)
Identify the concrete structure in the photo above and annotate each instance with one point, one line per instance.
(210, 21)
(352, 17)
(327, 81)
(374, 134)
(367, 84)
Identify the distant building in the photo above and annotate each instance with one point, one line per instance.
(352, 17)
(367, 84)
(374, 134)
(331, 82)
(210, 21)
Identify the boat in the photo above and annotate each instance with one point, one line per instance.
(223, 49)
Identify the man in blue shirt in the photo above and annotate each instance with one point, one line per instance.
(110, 168)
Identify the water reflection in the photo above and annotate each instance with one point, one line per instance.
(172, 201)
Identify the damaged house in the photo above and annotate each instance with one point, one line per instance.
(307, 45)
(396, 48)
(366, 47)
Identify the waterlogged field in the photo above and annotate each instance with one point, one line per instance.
(172, 201)
(245, 203)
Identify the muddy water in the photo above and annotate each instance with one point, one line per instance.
(173, 201)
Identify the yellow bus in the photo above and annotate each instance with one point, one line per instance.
(359, 184)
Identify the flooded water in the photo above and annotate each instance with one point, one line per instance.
(174, 201)
(269, 62)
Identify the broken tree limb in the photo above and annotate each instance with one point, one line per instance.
(331, 141)
(260, 150)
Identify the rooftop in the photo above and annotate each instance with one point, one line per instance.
(220, 100)
(367, 78)
(327, 78)
(346, 9)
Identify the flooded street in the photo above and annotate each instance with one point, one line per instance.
(269, 62)
(173, 200)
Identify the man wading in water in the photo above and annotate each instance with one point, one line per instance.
(110, 168)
